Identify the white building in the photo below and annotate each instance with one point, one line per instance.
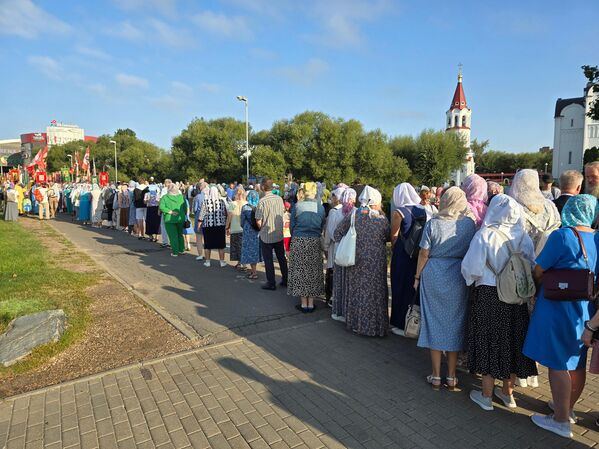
(458, 121)
(58, 134)
(574, 131)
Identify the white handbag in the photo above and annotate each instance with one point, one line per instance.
(345, 253)
(412, 323)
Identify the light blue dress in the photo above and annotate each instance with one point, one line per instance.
(85, 206)
(250, 241)
(443, 291)
(556, 327)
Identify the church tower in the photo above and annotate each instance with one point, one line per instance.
(458, 121)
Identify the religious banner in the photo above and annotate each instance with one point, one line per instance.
(14, 175)
(41, 177)
(94, 180)
(103, 179)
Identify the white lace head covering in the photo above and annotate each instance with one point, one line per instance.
(525, 190)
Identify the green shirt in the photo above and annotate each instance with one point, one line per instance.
(174, 203)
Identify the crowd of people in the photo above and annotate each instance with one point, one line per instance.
(472, 260)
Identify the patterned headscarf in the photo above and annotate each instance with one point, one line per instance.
(253, 198)
(475, 188)
(453, 205)
(580, 210)
(213, 193)
(525, 189)
(348, 199)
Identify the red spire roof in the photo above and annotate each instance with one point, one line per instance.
(459, 98)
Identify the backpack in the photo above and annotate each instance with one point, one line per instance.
(38, 195)
(411, 242)
(515, 284)
(253, 221)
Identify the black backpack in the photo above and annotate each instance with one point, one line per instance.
(411, 242)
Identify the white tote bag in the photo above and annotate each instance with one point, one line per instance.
(345, 253)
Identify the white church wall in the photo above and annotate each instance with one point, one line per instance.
(568, 143)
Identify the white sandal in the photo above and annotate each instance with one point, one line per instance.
(434, 381)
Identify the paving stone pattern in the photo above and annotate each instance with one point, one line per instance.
(314, 386)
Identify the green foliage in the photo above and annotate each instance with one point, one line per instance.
(209, 149)
(500, 161)
(479, 148)
(592, 74)
(591, 155)
(136, 158)
(268, 162)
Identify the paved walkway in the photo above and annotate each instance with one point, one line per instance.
(312, 386)
(294, 382)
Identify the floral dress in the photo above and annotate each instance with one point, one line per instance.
(250, 243)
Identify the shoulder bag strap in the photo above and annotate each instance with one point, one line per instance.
(584, 250)
(510, 247)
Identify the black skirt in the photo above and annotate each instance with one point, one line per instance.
(152, 221)
(214, 237)
(496, 336)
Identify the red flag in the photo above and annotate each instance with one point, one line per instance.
(85, 163)
(39, 159)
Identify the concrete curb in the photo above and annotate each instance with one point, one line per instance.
(184, 328)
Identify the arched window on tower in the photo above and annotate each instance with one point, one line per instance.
(456, 122)
(464, 121)
(449, 122)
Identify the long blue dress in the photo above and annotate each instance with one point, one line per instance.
(85, 206)
(132, 220)
(403, 270)
(67, 199)
(443, 291)
(250, 242)
(556, 327)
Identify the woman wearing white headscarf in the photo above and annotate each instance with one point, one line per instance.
(540, 217)
(367, 295)
(213, 219)
(132, 222)
(497, 330)
(97, 206)
(406, 211)
(443, 292)
(202, 191)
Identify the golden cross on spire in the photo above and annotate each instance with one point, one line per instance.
(460, 65)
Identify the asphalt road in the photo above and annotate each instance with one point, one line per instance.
(218, 303)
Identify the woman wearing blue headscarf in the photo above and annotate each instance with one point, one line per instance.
(250, 242)
(555, 332)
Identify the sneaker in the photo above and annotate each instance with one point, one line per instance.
(532, 381)
(483, 402)
(207, 263)
(398, 331)
(521, 382)
(548, 423)
(200, 258)
(336, 317)
(223, 264)
(573, 417)
(174, 255)
(508, 401)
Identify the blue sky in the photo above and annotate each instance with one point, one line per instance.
(153, 65)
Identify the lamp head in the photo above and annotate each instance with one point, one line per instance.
(242, 98)
(112, 141)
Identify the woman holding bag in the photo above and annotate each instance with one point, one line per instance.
(367, 294)
(556, 331)
(444, 316)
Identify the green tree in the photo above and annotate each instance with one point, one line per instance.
(210, 149)
(591, 155)
(592, 74)
(265, 161)
(479, 148)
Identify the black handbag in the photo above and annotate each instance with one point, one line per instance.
(571, 285)
(187, 224)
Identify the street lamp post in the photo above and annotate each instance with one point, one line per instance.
(116, 166)
(546, 164)
(247, 137)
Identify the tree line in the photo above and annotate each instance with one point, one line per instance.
(310, 146)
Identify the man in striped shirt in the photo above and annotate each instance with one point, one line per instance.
(269, 217)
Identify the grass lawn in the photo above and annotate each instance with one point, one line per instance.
(32, 279)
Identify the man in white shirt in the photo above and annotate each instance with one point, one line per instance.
(43, 206)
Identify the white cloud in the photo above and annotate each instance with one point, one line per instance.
(98, 88)
(126, 30)
(131, 81)
(305, 73)
(47, 66)
(92, 52)
(167, 102)
(24, 19)
(221, 24)
(168, 35)
(181, 87)
(210, 87)
(165, 7)
(341, 20)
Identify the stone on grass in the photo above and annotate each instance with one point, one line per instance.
(28, 332)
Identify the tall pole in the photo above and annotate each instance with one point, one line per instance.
(247, 143)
